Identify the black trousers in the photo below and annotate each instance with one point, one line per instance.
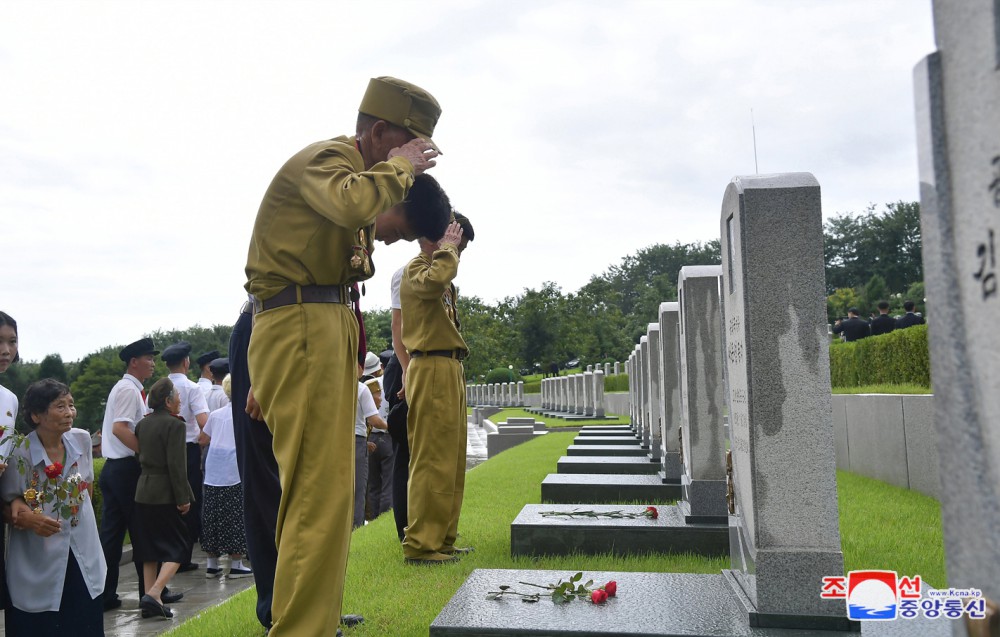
(258, 471)
(195, 478)
(78, 613)
(118, 481)
(392, 382)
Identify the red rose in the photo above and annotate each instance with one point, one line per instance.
(652, 513)
(54, 470)
(611, 588)
(598, 596)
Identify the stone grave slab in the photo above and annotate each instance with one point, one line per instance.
(611, 430)
(670, 391)
(606, 440)
(606, 450)
(647, 604)
(575, 488)
(606, 464)
(532, 533)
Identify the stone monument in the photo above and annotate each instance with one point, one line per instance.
(652, 376)
(670, 393)
(958, 139)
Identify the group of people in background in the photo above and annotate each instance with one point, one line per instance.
(854, 327)
(302, 385)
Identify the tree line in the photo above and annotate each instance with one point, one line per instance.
(869, 256)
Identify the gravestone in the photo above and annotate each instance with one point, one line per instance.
(958, 139)
(703, 445)
(520, 393)
(670, 393)
(617, 368)
(607, 369)
(588, 393)
(652, 374)
(784, 523)
(580, 398)
(599, 394)
(642, 368)
(637, 385)
(590, 368)
(632, 402)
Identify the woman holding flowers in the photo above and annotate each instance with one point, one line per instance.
(55, 568)
(162, 496)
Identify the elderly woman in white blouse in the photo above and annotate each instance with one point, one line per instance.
(55, 565)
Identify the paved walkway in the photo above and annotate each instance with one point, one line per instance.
(200, 592)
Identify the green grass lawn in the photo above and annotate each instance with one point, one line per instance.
(884, 389)
(881, 527)
(506, 413)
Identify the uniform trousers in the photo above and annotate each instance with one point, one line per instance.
(304, 368)
(380, 468)
(118, 480)
(436, 429)
(258, 472)
(392, 383)
(195, 478)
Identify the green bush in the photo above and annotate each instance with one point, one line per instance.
(98, 499)
(899, 357)
(501, 375)
(532, 386)
(616, 382)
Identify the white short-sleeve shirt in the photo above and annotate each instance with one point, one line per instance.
(397, 281)
(216, 398)
(8, 414)
(192, 403)
(221, 469)
(366, 409)
(124, 404)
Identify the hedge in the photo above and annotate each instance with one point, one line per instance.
(899, 357)
(614, 382)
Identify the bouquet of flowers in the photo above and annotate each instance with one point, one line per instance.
(65, 493)
(562, 591)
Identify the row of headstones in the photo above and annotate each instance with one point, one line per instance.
(496, 394)
(576, 394)
(760, 342)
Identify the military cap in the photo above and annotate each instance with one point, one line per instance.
(220, 366)
(402, 104)
(372, 363)
(176, 352)
(385, 356)
(141, 347)
(208, 357)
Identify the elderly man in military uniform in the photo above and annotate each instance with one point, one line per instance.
(312, 239)
(435, 390)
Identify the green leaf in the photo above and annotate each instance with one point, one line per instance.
(577, 577)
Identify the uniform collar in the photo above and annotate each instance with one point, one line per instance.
(135, 381)
(38, 455)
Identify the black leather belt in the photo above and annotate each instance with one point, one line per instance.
(293, 294)
(458, 354)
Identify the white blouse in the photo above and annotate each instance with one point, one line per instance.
(8, 413)
(36, 566)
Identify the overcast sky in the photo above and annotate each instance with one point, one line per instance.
(137, 138)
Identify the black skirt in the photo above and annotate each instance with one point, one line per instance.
(160, 534)
(78, 614)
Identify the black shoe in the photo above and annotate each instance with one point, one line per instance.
(152, 608)
(111, 604)
(351, 620)
(170, 597)
(190, 566)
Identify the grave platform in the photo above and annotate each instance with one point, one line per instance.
(606, 440)
(598, 431)
(606, 450)
(647, 604)
(607, 464)
(598, 488)
(534, 534)
(623, 429)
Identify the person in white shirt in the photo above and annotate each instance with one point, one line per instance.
(205, 381)
(222, 512)
(367, 416)
(379, 489)
(217, 397)
(194, 411)
(56, 567)
(125, 407)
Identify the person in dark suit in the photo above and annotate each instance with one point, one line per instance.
(910, 318)
(162, 496)
(883, 323)
(854, 328)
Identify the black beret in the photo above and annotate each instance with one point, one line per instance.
(208, 357)
(219, 366)
(141, 347)
(176, 352)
